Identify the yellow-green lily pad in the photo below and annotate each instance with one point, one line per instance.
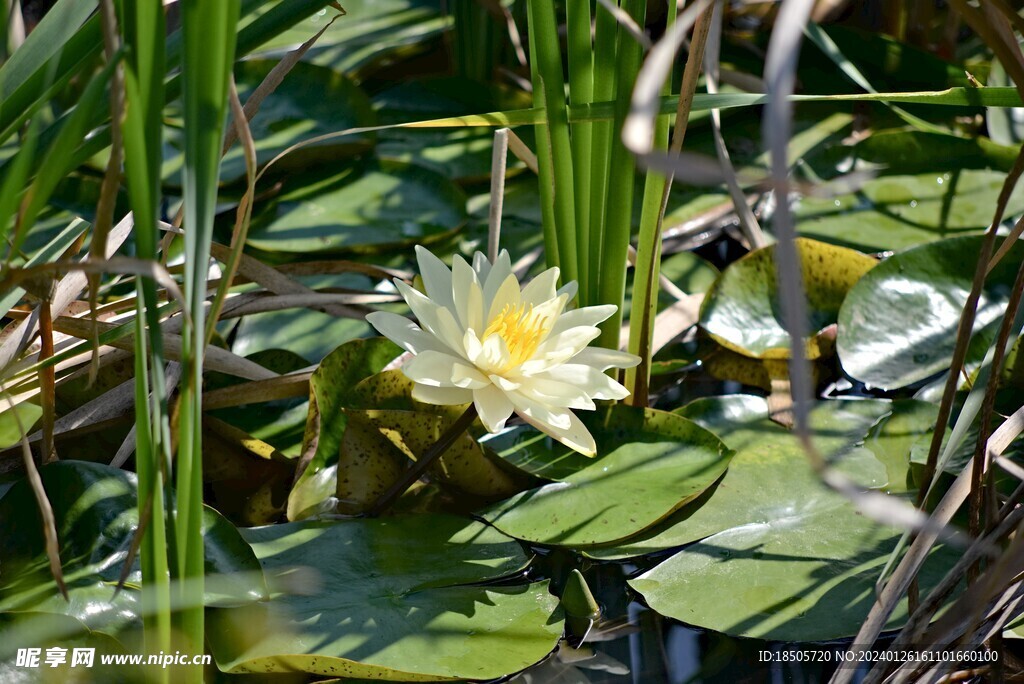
(741, 311)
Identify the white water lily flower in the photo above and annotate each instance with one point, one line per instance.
(483, 339)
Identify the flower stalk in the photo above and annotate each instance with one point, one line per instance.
(423, 463)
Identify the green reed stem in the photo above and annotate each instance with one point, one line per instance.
(548, 58)
(545, 171)
(581, 91)
(601, 134)
(209, 30)
(621, 169)
(142, 25)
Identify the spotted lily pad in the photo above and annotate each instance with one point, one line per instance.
(649, 463)
(393, 429)
(898, 324)
(742, 312)
(398, 599)
(333, 379)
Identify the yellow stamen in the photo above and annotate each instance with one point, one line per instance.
(521, 329)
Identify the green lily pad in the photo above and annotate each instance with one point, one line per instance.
(769, 478)
(394, 599)
(741, 311)
(809, 576)
(96, 517)
(462, 154)
(898, 324)
(897, 212)
(649, 464)
(329, 385)
(366, 207)
(533, 452)
(919, 152)
(306, 333)
(45, 631)
(897, 435)
(372, 33)
(796, 559)
(311, 101)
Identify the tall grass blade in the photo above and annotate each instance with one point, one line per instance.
(60, 157)
(780, 81)
(208, 31)
(142, 25)
(63, 44)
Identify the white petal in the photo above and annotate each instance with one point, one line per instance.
(432, 368)
(504, 383)
(471, 343)
(435, 319)
(603, 359)
(493, 406)
(569, 290)
(561, 394)
(551, 309)
(571, 341)
(437, 279)
(541, 288)
(531, 407)
(493, 354)
(443, 396)
(404, 332)
(588, 378)
(499, 272)
(575, 436)
(449, 331)
(507, 294)
(468, 377)
(589, 315)
(482, 266)
(543, 362)
(467, 295)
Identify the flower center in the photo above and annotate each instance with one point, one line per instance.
(521, 329)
